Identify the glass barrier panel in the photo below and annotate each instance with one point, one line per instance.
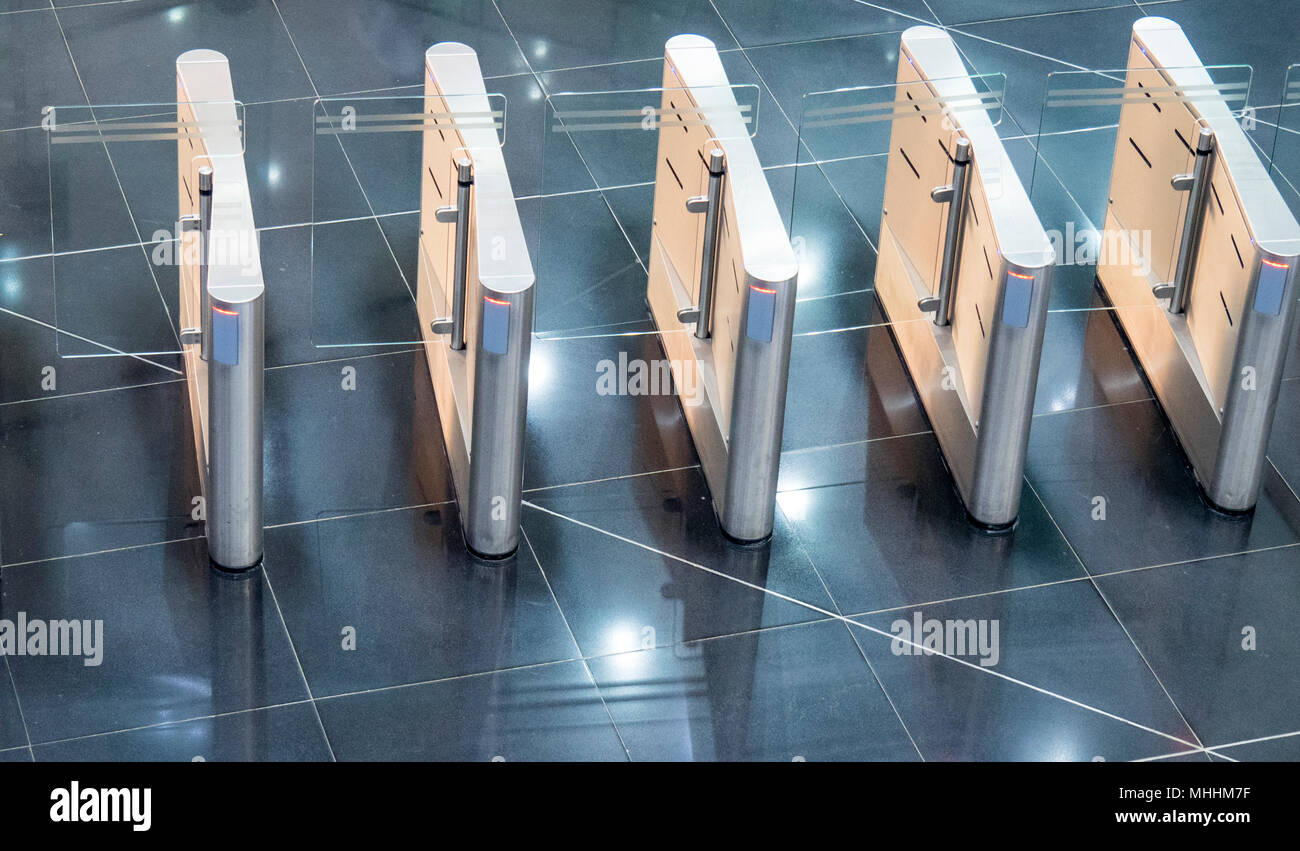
(367, 176)
(116, 196)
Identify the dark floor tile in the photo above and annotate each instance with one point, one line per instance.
(848, 386)
(855, 310)
(802, 693)
(263, 62)
(1284, 442)
(619, 596)
(12, 734)
(324, 310)
(362, 284)
(1069, 186)
(349, 47)
(1153, 510)
(1196, 624)
(575, 434)
(1060, 639)
(417, 605)
(956, 12)
(556, 34)
(279, 734)
(588, 274)
(802, 20)
(547, 713)
(118, 301)
(1085, 363)
(39, 361)
(899, 535)
(835, 253)
(92, 472)
(331, 450)
(179, 641)
(1273, 750)
(36, 68)
(60, 197)
(24, 5)
(23, 754)
(1292, 369)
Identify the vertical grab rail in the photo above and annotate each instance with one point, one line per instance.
(711, 206)
(459, 216)
(954, 195)
(1195, 184)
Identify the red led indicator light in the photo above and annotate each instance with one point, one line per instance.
(763, 290)
(1277, 265)
(223, 311)
(496, 301)
(1021, 275)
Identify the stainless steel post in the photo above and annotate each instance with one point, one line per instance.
(955, 195)
(499, 419)
(1191, 237)
(235, 400)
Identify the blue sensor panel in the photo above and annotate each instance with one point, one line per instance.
(1272, 284)
(1015, 299)
(225, 336)
(496, 325)
(762, 311)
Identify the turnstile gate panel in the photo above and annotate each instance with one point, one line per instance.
(961, 267)
(679, 166)
(722, 283)
(474, 299)
(221, 308)
(438, 259)
(1196, 247)
(154, 256)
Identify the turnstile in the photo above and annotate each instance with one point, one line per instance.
(222, 306)
(721, 285)
(1208, 305)
(964, 274)
(474, 298)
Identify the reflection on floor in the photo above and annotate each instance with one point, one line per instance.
(627, 627)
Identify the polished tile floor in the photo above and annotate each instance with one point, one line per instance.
(626, 627)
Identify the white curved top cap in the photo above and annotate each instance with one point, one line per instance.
(234, 263)
(1267, 214)
(501, 251)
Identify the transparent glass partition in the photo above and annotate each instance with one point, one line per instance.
(602, 153)
(119, 175)
(1286, 148)
(846, 137)
(368, 159)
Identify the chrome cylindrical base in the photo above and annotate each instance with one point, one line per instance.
(235, 410)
